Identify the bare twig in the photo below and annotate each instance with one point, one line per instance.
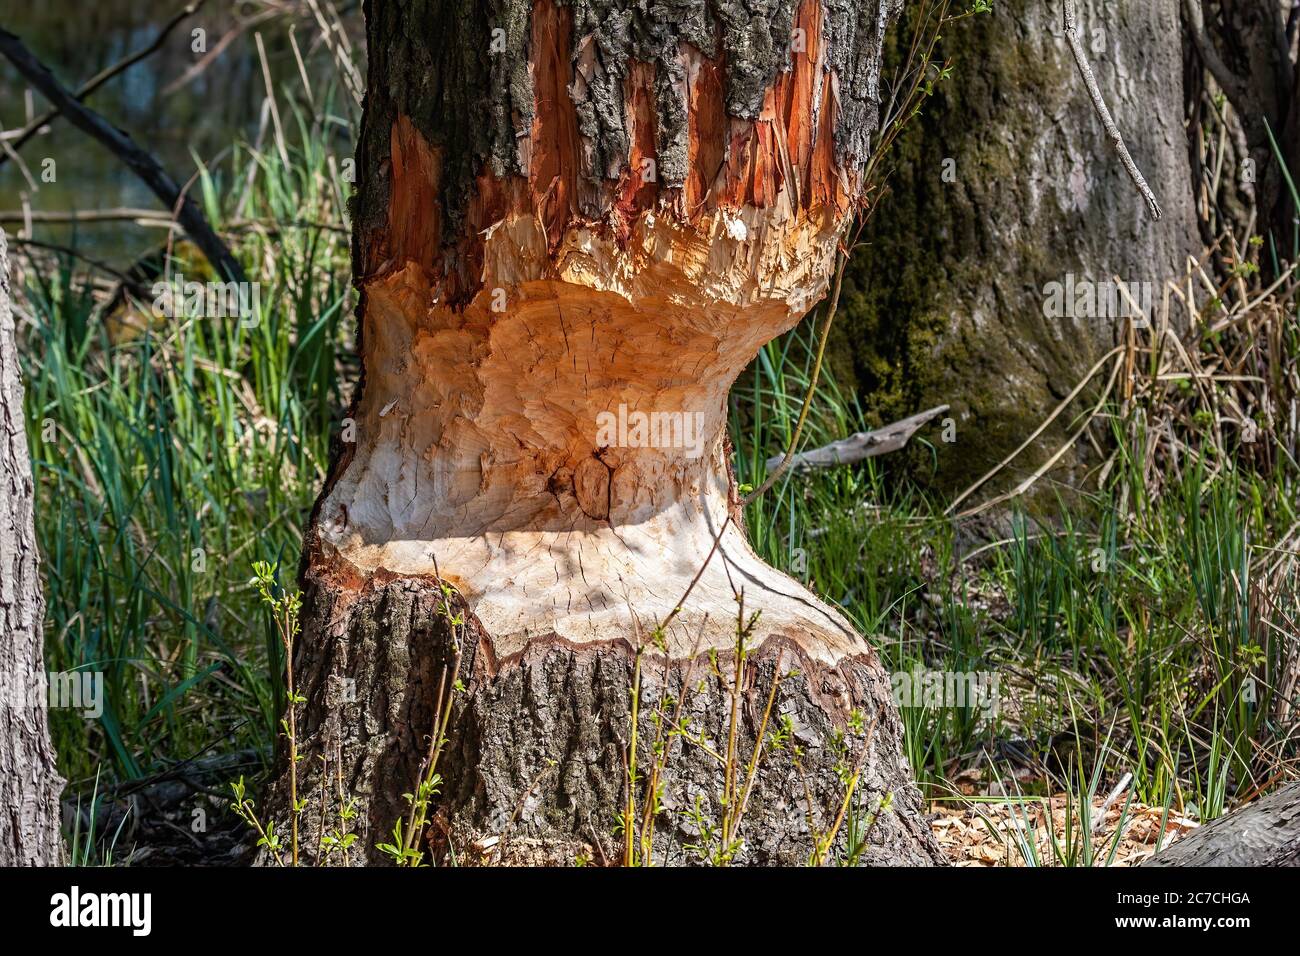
(185, 210)
(65, 250)
(102, 77)
(1037, 431)
(218, 48)
(151, 217)
(1090, 81)
(8, 151)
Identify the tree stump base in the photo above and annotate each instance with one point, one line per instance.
(534, 770)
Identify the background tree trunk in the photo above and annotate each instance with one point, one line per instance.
(29, 783)
(1006, 183)
(1243, 56)
(570, 211)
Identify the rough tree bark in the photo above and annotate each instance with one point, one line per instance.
(566, 209)
(1266, 833)
(1006, 183)
(29, 783)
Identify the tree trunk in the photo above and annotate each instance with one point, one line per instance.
(570, 216)
(1266, 833)
(1247, 49)
(29, 783)
(1007, 183)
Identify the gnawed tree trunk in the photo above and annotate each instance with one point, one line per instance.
(1005, 184)
(29, 783)
(572, 214)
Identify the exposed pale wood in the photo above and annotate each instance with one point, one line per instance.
(523, 275)
(478, 431)
(492, 349)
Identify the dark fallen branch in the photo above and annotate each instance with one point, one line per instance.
(151, 820)
(184, 209)
(103, 76)
(1266, 833)
(861, 445)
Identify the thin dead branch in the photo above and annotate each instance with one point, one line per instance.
(1094, 91)
(102, 77)
(861, 445)
(185, 210)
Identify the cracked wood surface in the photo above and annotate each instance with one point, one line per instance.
(667, 198)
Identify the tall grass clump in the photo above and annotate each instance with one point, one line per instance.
(1145, 626)
(172, 451)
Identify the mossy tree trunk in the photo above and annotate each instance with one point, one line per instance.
(571, 215)
(1005, 185)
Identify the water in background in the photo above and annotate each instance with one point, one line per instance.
(177, 120)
